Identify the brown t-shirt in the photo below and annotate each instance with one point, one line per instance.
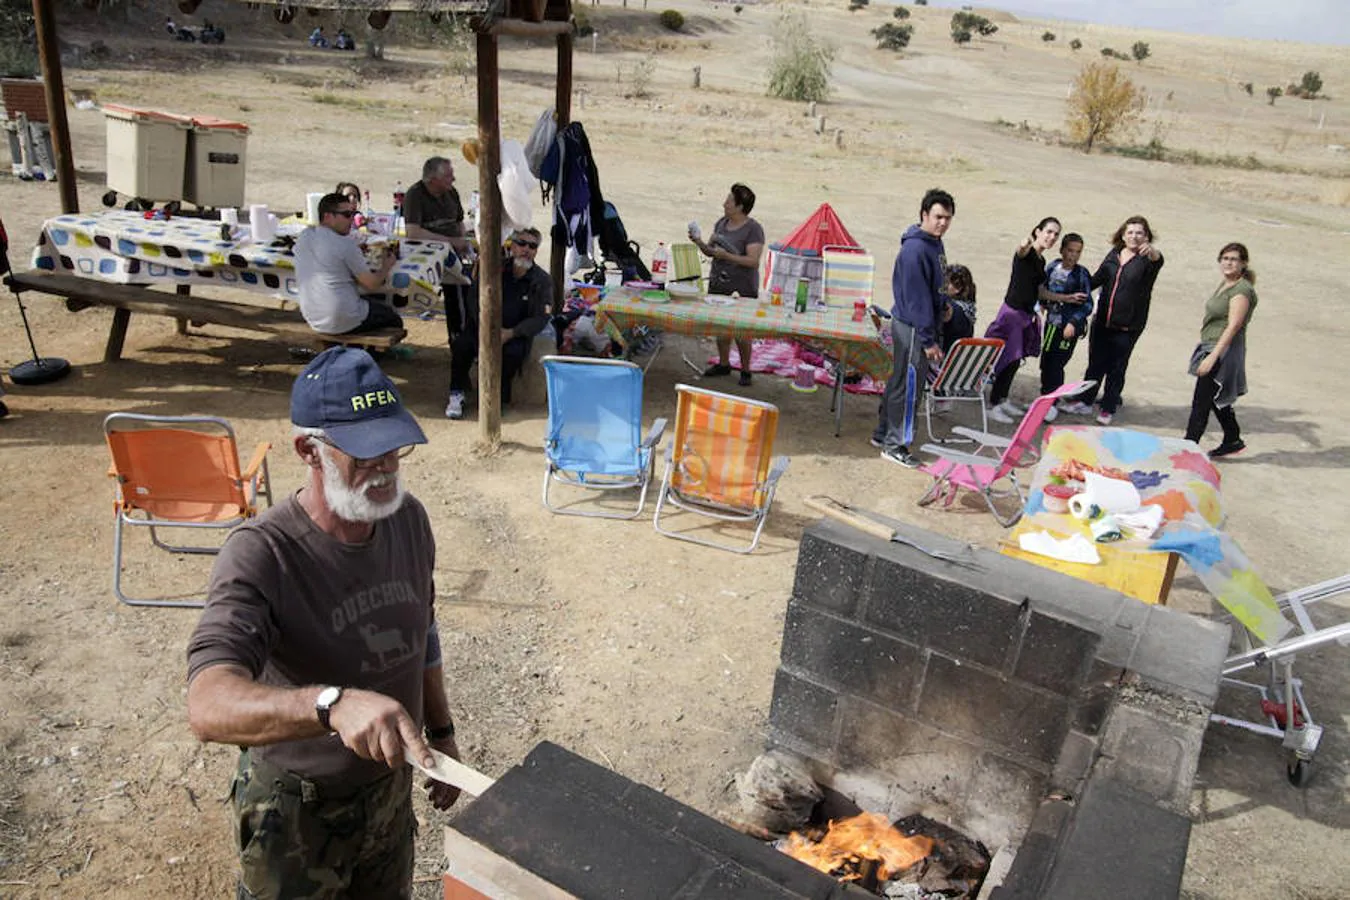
(295, 606)
(443, 215)
(727, 277)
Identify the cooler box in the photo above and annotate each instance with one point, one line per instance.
(216, 150)
(147, 152)
(787, 265)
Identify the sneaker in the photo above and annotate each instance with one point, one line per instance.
(998, 415)
(1013, 409)
(1076, 408)
(454, 407)
(716, 369)
(744, 380)
(876, 442)
(1227, 449)
(1051, 414)
(901, 456)
(1104, 417)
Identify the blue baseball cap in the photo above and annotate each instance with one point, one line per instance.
(344, 392)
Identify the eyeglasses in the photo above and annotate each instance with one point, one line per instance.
(346, 213)
(374, 462)
(533, 245)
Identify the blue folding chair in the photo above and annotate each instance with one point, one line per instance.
(594, 435)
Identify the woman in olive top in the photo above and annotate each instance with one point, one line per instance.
(1126, 277)
(1016, 323)
(1219, 362)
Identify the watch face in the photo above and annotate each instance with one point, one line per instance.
(328, 696)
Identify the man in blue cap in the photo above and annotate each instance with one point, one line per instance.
(318, 654)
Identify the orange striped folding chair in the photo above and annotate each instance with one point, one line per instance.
(721, 463)
(179, 472)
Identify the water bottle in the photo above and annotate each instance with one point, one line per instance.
(801, 295)
(398, 199)
(660, 263)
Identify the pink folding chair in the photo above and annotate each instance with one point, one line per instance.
(983, 472)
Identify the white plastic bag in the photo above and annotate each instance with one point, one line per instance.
(517, 186)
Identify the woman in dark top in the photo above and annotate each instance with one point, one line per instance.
(736, 245)
(1016, 323)
(1126, 278)
(1219, 362)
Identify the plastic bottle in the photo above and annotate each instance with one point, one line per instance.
(660, 263)
(777, 295)
(801, 295)
(398, 208)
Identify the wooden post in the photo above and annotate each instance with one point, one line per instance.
(54, 86)
(490, 247)
(838, 138)
(811, 109)
(820, 124)
(698, 76)
(557, 261)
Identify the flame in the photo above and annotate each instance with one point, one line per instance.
(864, 836)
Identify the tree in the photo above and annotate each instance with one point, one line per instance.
(987, 28)
(855, 5)
(1108, 52)
(900, 13)
(1075, 44)
(18, 56)
(964, 20)
(1139, 51)
(1048, 36)
(1311, 84)
(1273, 92)
(960, 36)
(1103, 102)
(1247, 86)
(800, 67)
(920, 2)
(893, 37)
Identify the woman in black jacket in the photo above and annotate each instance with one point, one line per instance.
(1126, 278)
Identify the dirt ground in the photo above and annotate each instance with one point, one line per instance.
(652, 656)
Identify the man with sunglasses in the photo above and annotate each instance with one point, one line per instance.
(527, 299)
(331, 268)
(318, 653)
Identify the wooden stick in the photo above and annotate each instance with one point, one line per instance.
(841, 512)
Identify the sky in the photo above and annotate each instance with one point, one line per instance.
(1313, 21)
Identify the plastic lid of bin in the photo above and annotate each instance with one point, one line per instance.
(134, 112)
(217, 122)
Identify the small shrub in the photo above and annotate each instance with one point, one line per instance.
(1048, 37)
(1102, 102)
(737, 9)
(893, 37)
(855, 5)
(1075, 44)
(1140, 51)
(1311, 84)
(900, 13)
(800, 67)
(920, 2)
(672, 19)
(582, 22)
(1247, 86)
(1273, 92)
(960, 36)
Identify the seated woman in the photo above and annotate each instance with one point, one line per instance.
(958, 311)
(352, 193)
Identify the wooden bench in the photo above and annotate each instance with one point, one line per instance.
(126, 299)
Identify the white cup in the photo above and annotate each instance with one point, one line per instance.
(230, 216)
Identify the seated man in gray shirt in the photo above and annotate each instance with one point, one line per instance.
(329, 266)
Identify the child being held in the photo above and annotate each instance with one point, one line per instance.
(1066, 312)
(958, 307)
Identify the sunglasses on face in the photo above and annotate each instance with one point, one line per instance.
(533, 245)
(345, 213)
(373, 462)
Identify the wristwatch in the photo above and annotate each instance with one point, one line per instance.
(324, 703)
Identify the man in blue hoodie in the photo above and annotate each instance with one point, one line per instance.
(916, 323)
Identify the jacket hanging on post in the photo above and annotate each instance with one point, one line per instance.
(578, 204)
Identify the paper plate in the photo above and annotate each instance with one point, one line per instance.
(655, 297)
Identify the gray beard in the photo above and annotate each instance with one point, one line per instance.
(350, 504)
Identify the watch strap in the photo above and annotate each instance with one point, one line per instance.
(324, 709)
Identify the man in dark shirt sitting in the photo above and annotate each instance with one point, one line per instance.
(527, 299)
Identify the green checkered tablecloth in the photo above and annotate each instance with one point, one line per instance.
(127, 248)
(857, 344)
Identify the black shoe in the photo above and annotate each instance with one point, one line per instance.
(876, 442)
(716, 369)
(744, 380)
(1228, 449)
(901, 456)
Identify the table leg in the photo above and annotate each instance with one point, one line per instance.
(837, 399)
(182, 290)
(117, 335)
(1166, 587)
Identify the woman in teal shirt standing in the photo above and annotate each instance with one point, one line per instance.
(1219, 362)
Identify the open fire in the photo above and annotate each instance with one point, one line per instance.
(855, 848)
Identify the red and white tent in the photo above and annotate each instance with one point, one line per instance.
(799, 254)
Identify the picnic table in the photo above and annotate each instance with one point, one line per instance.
(856, 345)
(114, 258)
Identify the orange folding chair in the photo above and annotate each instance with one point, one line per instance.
(179, 472)
(721, 463)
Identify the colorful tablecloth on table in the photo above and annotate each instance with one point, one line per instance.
(857, 344)
(127, 248)
(1176, 475)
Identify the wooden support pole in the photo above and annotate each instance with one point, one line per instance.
(557, 260)
(490, 247)
(54, 86)
(521, 28)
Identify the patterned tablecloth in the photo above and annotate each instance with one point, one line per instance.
(125, 247)
(857, 344)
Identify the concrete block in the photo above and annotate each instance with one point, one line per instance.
(1076, 756)
(830, 572)
(1151, 744)
(850, 657)
(927, 607)
(874, 737)
(1119, 845)
(1181, 655)
(982, 706)
(1092, 702)
(803, 709)
(1031, 866)
(1055, 654)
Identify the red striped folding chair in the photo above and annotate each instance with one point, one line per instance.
(964, 372)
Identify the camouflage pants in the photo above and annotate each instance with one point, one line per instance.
(297, 844)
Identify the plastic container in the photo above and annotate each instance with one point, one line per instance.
(803, 295)
(660, 263)
(147, 153)
(216, 156)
